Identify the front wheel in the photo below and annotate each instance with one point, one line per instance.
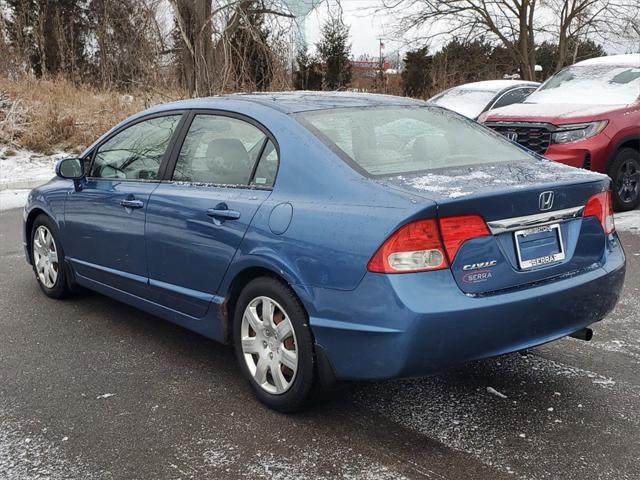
(273, 344)
(47, 258)
(625, 172)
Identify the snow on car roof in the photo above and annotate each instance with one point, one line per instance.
(495, 85)
(629, 59)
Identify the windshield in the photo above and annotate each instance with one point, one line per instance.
(469, 103)
(591, 84)
(384, 141)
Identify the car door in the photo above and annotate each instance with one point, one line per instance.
(104, 218)
(222, 173)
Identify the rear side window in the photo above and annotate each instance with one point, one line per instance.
(136, 152)
(219, 150)
(267, 169)
(382, 141)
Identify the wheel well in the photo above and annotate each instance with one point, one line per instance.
(629, 143)
(227, 307)
(28, 225)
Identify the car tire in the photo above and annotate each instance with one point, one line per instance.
(47, 258)
(625, 172)
(267, 345)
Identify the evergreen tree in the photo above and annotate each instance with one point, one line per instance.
(334, 51)
(415, 76)
(307, 75)
(547, 55)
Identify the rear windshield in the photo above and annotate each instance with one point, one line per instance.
(382, 141)
(592, 84)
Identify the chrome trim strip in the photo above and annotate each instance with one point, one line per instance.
(539, 219)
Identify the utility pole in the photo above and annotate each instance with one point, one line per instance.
(381, 66)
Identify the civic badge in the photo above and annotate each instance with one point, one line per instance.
(545, 201)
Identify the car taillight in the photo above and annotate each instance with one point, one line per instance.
(457, 230)
(426, 244)
(601, 207)
(416, 247)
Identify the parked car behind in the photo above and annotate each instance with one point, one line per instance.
(587, 115)
(472, 99)
(330, 236)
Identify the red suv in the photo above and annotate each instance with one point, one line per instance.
(587, 115)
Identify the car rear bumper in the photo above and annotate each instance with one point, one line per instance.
(416, 324)
(591, 153)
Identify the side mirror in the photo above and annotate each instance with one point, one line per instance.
(70, 168)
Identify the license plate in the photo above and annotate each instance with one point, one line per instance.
(539, 246)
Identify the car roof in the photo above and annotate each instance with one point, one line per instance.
(626, 60)
(495, 85)
(297, 101)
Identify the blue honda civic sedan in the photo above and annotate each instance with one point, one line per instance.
(331, 236)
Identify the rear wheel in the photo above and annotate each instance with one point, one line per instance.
(625, 172)
(273, 344)
(47, 257)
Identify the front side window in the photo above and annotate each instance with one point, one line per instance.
(397, 140)
(219, 150)
(136, 152)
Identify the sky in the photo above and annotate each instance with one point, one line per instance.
(366, 26)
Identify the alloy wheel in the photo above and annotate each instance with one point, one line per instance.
(628, 181)
(45, 256)
(269, 345)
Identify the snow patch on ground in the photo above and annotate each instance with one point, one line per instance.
(225, 459)
(22, 170)
(628, 221)
(26, 166)
(461, 410)
(27, 455)
(13, 198)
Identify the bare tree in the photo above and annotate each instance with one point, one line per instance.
(514, 23)
(207, 40)
(193, 19)
(511, 22)
(577, 20)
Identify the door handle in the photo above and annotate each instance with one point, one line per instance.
(132, 203)
(222, 212)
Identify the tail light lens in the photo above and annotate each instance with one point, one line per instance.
(416, 247)
(457, 230)
(601, 207)
(426, 244)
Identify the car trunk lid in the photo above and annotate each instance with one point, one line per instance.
(534, 212)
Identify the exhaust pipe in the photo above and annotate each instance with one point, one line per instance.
(585, 334)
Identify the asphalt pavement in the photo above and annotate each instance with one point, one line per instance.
(93, 389)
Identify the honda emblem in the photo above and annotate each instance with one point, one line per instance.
(545, 201)
(513, 136)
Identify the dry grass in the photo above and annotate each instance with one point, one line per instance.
(49, 115)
